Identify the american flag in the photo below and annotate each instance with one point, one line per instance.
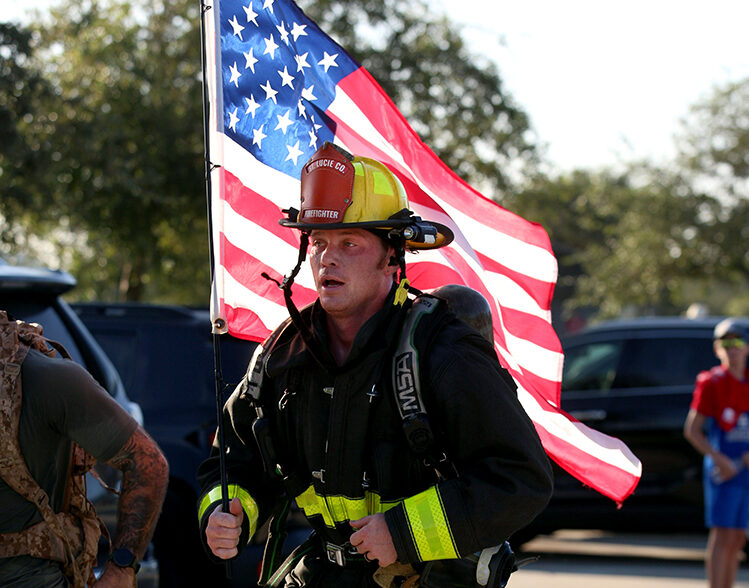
(278, 87)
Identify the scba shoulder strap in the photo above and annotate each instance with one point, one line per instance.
(407, 386)
(491, 567)
(407, 380)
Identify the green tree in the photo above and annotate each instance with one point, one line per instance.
(21, 87)
(714, 141)
(123, 136)
(625, 241)
(714, 150)
(649, 240)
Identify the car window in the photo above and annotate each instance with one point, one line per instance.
(636, 363)
(591, 366)
(162, 360)
(667, 361)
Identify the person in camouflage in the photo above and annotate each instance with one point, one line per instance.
(56, 422)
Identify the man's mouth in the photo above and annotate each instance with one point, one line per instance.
(331, 283)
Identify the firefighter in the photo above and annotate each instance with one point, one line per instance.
(387, 420)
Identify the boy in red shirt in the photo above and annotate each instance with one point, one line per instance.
(717, 425)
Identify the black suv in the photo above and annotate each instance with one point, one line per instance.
(166, 359)
(633, 379)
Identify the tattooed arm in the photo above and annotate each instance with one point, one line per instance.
(145, 475)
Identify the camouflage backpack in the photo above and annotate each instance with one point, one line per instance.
(71, 536)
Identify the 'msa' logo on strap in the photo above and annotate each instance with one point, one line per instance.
(405, 383)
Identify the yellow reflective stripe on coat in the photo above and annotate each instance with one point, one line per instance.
(249, 506)
(430, 529)
(339, 509)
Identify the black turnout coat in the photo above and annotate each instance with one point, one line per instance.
(340, 443)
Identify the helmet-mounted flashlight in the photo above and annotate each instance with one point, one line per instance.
(419, 232)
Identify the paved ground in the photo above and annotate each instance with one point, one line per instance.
(588, 559)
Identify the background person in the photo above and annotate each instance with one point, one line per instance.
(327, 396)
(717, 425)
(62, 404)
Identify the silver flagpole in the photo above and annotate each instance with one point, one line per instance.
(217, 328)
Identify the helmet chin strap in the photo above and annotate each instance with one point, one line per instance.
(296, 318)
(289, 280)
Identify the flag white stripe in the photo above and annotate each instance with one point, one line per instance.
(347, 110)
(514, 296)
(505, 290)
(602, 447)
(535, 359)
(237, 295)
(531, 357)
(270, 183)
(517, 255)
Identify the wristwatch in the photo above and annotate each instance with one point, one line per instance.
(124, 558)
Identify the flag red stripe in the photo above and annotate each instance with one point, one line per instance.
(246, 270)
(466, 275)
(610, 481)
(245, 324)
(543, 390)
(522, 325)
(427, 275)
(542, 292)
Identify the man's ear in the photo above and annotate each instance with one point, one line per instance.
(392, 263)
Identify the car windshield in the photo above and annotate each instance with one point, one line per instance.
(591, 367)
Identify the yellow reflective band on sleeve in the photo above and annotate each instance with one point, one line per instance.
(430, 529)
(339, 509)
(249, 506)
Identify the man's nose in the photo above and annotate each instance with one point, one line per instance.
(329, 256)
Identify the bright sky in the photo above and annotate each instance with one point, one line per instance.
(602, 81)
(607, 81)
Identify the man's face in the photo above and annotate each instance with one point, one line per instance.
(351, 271)
(731, 350)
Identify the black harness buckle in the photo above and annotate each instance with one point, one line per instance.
(341, 554)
